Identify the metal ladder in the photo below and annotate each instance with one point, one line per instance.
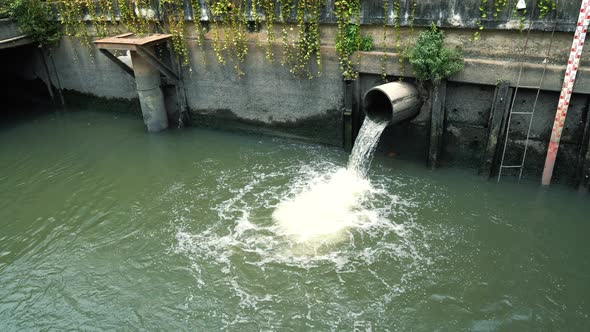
(531, 114)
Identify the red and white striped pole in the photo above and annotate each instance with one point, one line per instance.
(566, 90)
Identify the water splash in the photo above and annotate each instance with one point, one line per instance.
(334, 202)
(329, 205)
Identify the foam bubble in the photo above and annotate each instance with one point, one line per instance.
(329, 205)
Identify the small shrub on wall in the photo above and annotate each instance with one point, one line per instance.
(34, 18)
(431, 60)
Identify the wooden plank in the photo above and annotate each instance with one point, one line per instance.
(153, 38)
(585, 183)
(47, 82)
(143, 41)
(124, 35)
(347, 116)
(357, 108)
(15, 42)
(118, 47)
(58, 81)
(439, 92)
(118, 62)
(184, 118)
(582, 179)
(500, 107)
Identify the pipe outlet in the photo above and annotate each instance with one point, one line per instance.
(392, 102)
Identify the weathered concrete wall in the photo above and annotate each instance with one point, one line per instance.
(8, 29)
(466, 131)
(466, 13)
(85, 70)
(448, 13)
(269, 99)
(10, 35)
(267, 96)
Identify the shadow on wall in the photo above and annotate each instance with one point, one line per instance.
(21, 83)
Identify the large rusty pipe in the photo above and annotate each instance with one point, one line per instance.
(151, 97)
(392, 102)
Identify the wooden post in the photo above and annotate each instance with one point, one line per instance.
(357, 108)
(439, 92)
(582, 179)
(47, 82)
(498, 116)
(58, 81)
(585, 180)
(347, 115)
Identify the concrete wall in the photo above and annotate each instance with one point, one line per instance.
(466, 131)
(10, 35)
(86, 70)
(466, 14)
(269, 99)
(448, 13)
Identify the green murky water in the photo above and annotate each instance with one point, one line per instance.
(105, 227)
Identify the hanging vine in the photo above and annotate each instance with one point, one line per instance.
(287, 8)
(398, 37)
(383, 59)
(521, 13)
(397, 25)
(482, 15)
(268, 8)
(132, 18)
(230, 22)
(72, 17)
(347, 14)
(172, 12)
(256, 19)
(545, 7)
(499, 6)
(196, 9)
(99, 25)
(307, 42)
(408, 41)
(239, 30)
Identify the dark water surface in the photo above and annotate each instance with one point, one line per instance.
(103, 226)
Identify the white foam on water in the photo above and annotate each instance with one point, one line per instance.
(328, 206)
(334, 202)
(303, 218)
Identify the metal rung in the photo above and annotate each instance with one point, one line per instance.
(517, 86)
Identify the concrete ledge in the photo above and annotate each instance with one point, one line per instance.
(486, 71)
(10, 36)
(15, 42)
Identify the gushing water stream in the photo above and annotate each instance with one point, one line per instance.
(364, 147)
(333, 202)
